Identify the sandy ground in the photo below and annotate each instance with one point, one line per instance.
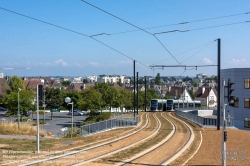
(238, 148)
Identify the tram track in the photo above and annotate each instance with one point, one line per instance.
(147, 130)
(139, 127)
(160, 154)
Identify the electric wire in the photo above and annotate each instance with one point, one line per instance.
(185, 51)
(182, 23)
(197, 52)
(72, 32)
(202, 28)
(133, 26)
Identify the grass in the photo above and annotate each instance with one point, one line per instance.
(11, 128)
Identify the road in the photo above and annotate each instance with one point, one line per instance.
(59, 121)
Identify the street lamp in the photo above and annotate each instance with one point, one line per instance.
(18, 105)
(68, 101)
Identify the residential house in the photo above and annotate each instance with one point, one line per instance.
(78, 86)
(207, 96)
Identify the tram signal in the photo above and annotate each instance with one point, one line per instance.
(40, 95)
(225, 135)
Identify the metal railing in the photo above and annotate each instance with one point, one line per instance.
(201, 121)
(108, 125)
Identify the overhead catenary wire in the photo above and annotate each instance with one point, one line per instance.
(181, 23)
(133, 26)
(207, 43)
(197, 52)
(73, 31)
(215, 26)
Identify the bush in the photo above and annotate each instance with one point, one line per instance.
(67, 133)
(97, 118)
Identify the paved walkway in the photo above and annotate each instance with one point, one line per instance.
(22, 137)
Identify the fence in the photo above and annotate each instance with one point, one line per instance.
(201, 121)
(108, 125)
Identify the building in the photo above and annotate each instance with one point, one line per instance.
(110, 79)
(207, 96)
(240, 109)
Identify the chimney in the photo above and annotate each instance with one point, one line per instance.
(203, 90)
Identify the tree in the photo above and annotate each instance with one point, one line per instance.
(158, 79)
(65, 83)
(26, 98)
(91, 99)
(54, 98)
(85, 81)
(16, 82)
(127, 98)
(191, 92)
(194, 84)
(75, 97)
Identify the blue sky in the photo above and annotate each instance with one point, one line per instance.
(51, 51)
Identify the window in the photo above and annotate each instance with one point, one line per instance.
(247, 122)
(247, 103)
(247, 83)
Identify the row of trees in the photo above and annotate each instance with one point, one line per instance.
(100, 96)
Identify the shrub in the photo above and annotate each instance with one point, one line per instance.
(67, 133)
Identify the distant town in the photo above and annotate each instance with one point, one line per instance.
(201, 87)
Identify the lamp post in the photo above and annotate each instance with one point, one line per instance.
(18, 105)
(68, 101)
(44, 105)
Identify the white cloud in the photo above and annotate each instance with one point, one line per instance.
(61, 62)
(242, 61)
(125, 62)
(207, 61)
(78, 65)
(28, 62)
(95, 64)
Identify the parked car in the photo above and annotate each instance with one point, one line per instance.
(77, 113)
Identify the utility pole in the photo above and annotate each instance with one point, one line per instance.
(134, 88)
(224, 132)
(137, 92)
(218, 85)
(145, 94)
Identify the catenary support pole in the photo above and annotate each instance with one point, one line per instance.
(134, 88)
(218, 88)
(137, 93)
(37, 121)
(145, 94)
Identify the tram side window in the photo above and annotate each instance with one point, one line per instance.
(197, 105)
(190, 105)
(247, 122)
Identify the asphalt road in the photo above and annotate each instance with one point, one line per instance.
(59, 121)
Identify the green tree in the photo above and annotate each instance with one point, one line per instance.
(16, 82)
(54, 98)
(158, 79)
(26, 97)
(194, 84)
(191, 92)
(75, 97)
(65, 83)
(127, 99)
(85, 81)
(91, 99)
